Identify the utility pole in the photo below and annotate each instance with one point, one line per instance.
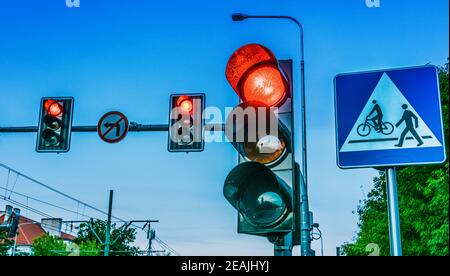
(108, 225)
(151, 236)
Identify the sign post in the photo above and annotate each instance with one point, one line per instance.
(393, 213)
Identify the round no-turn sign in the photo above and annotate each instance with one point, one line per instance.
(113, 127)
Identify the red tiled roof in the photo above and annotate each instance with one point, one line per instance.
(29, 230)
(67, 237)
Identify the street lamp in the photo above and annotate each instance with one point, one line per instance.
(305, 227)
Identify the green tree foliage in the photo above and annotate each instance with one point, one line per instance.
(423, 202)
(5, 243)
(121, 238)
(90, 248)
(48, 245)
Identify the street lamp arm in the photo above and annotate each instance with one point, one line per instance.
(240, 17)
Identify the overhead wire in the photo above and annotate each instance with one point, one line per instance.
(167, 247)
(42, 201)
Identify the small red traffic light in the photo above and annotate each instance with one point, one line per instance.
(185, 103)
(254, 74)
(53, 108)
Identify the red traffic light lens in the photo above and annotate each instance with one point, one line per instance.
(245, 58)
(185, 103)
(266, 85)
(53, 108)
(253, 73)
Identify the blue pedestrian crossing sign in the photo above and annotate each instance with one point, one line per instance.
(389, 118)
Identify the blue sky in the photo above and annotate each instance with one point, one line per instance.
(130, 56)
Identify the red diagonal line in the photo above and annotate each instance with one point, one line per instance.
(114, 126)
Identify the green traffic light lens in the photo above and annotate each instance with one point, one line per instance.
(51, 138)
(262, 205)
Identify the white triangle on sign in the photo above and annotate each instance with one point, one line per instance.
(391, 101)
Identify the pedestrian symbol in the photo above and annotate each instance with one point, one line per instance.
(378, 132)
(410, 127)
(390, 117)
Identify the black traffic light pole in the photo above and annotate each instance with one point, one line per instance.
(302, 186)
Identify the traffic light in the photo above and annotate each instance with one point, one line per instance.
(10, 221)
(14, 225)
(261, 187)
(55, 124)
(263, 200)
(186, 123)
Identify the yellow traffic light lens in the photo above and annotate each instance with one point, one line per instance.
(267, 150)
(52, 122)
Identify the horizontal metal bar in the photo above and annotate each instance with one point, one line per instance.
(139, 128)
(18, 129)
(132, 128)
(84, 129)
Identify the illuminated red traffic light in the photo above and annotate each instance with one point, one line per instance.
(254, 75)
(185, 103)
(265, 84)
(55, 124)
(186, 122)
(53, 108)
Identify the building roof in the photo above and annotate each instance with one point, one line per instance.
(29, 230)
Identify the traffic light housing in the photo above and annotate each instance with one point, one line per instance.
(55, 124)
(14, 224)
(263, 200)
(265, 178)
(11, 221)
(186, 122)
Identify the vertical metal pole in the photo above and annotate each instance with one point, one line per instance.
(283, 246)
(305, 228)
(108, 225)
(149, 236)
(304, 206)
(393, 214)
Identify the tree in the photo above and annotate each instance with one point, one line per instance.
(90, 248)
(5, 243)
(121, 238)
(423, 193)
(48, 245)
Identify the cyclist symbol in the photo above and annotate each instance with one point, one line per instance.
(375, 120)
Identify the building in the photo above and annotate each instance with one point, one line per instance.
(28, 230)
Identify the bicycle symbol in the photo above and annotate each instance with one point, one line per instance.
(364, 130)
